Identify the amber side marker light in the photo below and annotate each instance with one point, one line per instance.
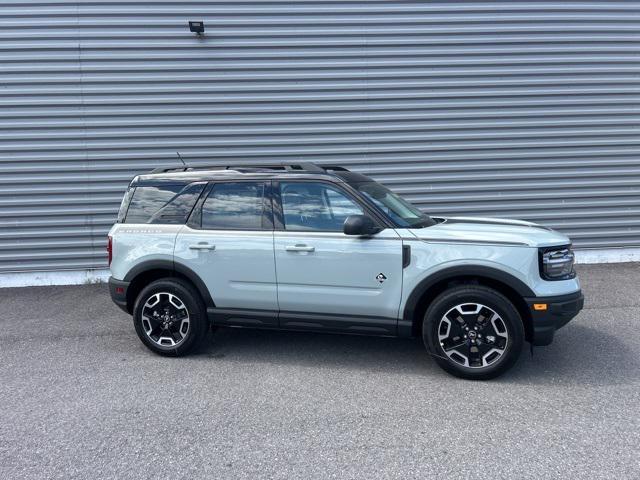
(539, 306)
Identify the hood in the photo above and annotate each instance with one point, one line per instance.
(496, 231)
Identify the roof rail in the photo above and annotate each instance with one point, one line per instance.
(335, 168)
(285, 167)
(169, 169)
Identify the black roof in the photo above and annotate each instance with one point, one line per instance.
(305, 170)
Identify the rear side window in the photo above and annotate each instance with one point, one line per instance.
(234, 206)
(168, 204)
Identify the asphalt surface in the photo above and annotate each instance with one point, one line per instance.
(82, 398)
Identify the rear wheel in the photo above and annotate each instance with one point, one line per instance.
(170, 317)
(473, 332)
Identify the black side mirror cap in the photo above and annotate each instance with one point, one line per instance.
(360, 225)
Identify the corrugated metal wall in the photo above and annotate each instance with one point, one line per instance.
(510, 109)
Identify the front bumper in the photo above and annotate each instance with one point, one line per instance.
(559, 311)
(118, 290)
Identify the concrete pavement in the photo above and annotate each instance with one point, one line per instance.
(82, 398)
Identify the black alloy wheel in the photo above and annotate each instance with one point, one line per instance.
(170, 317)
(473, 332)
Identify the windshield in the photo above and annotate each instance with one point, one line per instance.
(397, 208)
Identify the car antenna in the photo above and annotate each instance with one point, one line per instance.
(180, 157)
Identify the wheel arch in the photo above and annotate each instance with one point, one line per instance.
(149, 271)
(429, 288)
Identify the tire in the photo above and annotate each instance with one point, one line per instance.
(475, 322)
(181, 323)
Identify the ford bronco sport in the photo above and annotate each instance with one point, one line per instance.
(308, 247)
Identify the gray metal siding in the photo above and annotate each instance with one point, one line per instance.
(509, 109)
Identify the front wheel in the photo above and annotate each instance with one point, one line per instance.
(170, 317)
(473, 332)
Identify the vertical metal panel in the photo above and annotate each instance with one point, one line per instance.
(509, 109)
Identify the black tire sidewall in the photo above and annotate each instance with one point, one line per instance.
(474, 294)
(197, 315)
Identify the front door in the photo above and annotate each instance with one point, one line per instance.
(229, 245)
(326, 279)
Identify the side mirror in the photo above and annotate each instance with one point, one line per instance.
(360, 225)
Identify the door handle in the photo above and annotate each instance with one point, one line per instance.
(202, 246)
(299, 248)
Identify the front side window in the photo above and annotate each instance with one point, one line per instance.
(397, 208)
(315, 206)
(234, 206)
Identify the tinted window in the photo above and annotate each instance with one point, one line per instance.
(234, 206)
(315, 206)
(124, 205)
(163, 204)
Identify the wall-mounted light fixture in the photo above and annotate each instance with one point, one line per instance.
(196, 27)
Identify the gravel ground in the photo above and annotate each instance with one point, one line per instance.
(82, 398)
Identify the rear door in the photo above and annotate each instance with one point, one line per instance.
(228, 243)
(326, 279)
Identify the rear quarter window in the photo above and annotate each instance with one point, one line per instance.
(168, 204)
(124, 205)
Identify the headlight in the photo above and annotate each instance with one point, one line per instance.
(556, 263)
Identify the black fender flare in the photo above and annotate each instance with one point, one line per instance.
(173, 267)
(452, 273)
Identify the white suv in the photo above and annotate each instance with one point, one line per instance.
(307, 247)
